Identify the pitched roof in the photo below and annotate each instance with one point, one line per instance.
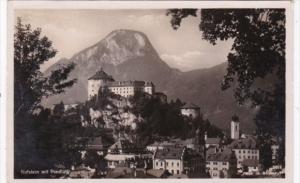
(213, 141)
(246, 143)
(149, 84)
(223, 156)
(190, 106)
(101, 75)
(169, 153)
(250, 162)
(119, 157)
(121, 144)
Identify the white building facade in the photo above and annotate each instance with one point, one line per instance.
(170, 159)
(125, 89)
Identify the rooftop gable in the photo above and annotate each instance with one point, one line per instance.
(101, 75)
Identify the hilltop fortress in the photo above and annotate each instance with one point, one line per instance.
(124, 88)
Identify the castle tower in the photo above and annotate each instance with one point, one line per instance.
(235, 127)
(100, 79)
(190, 110)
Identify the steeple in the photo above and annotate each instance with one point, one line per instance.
(235, 127)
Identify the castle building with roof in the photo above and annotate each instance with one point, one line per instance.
(102, 80)
(190, 110)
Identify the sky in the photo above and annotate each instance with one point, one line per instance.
(74, 30)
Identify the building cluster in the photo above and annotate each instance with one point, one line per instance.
(174, 158)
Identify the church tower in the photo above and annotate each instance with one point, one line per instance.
(235, 127)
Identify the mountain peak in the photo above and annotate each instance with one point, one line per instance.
(134, 40)
(118, 47)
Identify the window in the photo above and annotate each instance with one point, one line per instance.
(177, 171)
(244, 151)
(172, 171)
(161, 164)
(178, 164)
(215, 163)
(156, 163)
(224, 163)
(172, 163)
(215, 168)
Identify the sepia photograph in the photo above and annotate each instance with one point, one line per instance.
(150, 93)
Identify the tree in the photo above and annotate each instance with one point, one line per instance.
(31, 50)
(257, 54)
(265, 155)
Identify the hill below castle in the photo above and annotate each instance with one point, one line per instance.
(129, 55)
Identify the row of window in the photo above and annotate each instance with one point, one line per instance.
(167, 163)
(248, 157)
(215, 163)
(215, 168)
(249, 151)
(117, 89)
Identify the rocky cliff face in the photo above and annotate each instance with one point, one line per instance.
(129, 55)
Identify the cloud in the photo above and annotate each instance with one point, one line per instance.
(186, 61)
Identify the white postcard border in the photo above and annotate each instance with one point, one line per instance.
(14, 5)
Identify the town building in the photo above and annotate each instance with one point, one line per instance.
(70, 106)
(97, 144)
(170, 159)
(124, 154)
(212, 142)
(159, 145)
(114, 160)
(188, 143)
(275, 149)
(102, 80)
(190, 110)
(251, 167)
(245, 149)
(235, 127)
(221, 164)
